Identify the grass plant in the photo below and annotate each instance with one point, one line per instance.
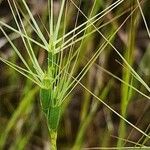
(61, 71)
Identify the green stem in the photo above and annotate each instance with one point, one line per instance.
(53, 139)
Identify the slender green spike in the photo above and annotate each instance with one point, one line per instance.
(59, 19)
(35, 24)
(26, 44)
(22, 34)
(90, 21)
(120, 55)
(15, 49)
(145, 22)
(36, 77)
(21, 71)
